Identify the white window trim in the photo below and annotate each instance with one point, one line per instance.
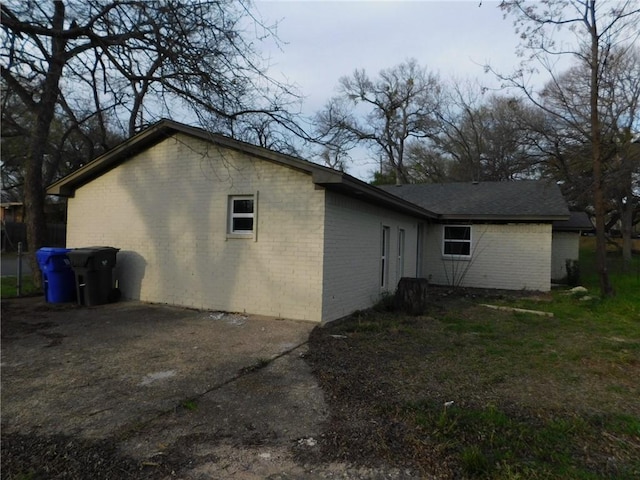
(420, 235)
(385, 253)
(470, 242)
(230, 216)
(402, 235)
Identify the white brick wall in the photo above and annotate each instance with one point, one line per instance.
(352, 258)
(512, 256)
(565, 246)
(166, 209)
(316, 254)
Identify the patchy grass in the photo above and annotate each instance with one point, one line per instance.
(190, 404)
(623, 308)
(10, 286)
(468, 392)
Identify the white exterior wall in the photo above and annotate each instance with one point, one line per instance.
(166, 209)
(353, 253)
(511, 257)
(565, 246)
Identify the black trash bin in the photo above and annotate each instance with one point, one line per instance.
(93, 267)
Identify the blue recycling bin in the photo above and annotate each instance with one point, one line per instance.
(58, 277)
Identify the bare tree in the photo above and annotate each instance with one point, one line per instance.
(70, 145)
(621, 103)
(488, 138)
(334, 139)
(597, 27)
(398, 106)
(458, 135)
(569, 145)
(135, 61)
(428, 164)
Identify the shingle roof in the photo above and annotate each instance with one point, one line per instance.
(578, 221)
(526, 200)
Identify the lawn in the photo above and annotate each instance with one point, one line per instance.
(469, 392)
(10, 286)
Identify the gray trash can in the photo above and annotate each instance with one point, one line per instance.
(93, 267)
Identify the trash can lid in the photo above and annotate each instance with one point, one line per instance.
(101, 249)
(43, 254)
(58, 250)
(80, 257)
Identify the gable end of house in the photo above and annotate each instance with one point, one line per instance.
(321, 176)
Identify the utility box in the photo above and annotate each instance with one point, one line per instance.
(93, 267)
(58, 278)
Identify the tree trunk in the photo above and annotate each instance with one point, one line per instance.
(411, 295)
(34, 211)
(33, 187)
(601, 245)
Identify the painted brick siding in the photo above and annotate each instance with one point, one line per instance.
(565, 246)
(166, 209)
(353, 251)
(512, 257)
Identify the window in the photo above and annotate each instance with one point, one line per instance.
(241, 214)
(419, 250)
(457, 241)
(384, 263)
(400, 253)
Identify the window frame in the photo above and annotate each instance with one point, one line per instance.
(445, 241)
(231, 216)
(401, 252)
(385, 253)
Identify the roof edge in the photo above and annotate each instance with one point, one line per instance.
(505, 218)
(320, 175)
(157, 132)
(67, 185)
(347, 185)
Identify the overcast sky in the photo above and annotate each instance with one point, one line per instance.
(324, 40)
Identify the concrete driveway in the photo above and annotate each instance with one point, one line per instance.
(232, 392)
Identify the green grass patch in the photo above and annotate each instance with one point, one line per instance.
(469, 392)
(622, 310)
(10, 287)
(489, 442)
(190, 404)
(484, 440)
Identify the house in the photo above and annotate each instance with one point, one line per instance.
(14, 230)
(488, 234)
(205, 221)
(12, 212)
(566, 242)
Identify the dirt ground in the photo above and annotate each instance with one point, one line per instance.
(133, 390)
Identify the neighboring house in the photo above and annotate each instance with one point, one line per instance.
(213, 223)
(566, 243)
(13, 230)
(488, 234)
(12, 212)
